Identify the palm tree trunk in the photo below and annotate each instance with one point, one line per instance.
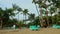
(41, 19)
(57, 18)
(39, 15)
(25, 19)
(57, 15)
(52, 18)
(1, 23)
(18, 17)
(47, 17)
(37, 9)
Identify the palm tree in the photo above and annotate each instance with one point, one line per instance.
(39, 2)
(25, 12)
(34, 1)
(31, 17)
(57, 5)
(1, 23)
(45, 6)
(5, 14)
(52, 10)
(17, 8)
(1, 12)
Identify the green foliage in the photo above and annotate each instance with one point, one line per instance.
(52, 9)
(58, 4)
(25, 11)
(20, 23)
(7, 13)
(15, 7)
(36, 21)
(31, 17)
(10, 23)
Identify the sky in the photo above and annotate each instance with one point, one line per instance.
(24, 4)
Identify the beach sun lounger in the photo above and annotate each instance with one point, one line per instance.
(34, 27)
(56, 26)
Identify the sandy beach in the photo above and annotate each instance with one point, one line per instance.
(28, 31)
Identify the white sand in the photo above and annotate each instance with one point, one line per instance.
(27, 31)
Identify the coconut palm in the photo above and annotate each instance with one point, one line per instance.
(5, 14)
(56, 3)
(39, 2)
(17, 8)
(52, 10)
(25, 12)
(1, 13)
(34, 1)
(58, 7)
(45, 6)
(31, 17)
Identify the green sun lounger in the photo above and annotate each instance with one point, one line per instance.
(33, 27)
(56, 26)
